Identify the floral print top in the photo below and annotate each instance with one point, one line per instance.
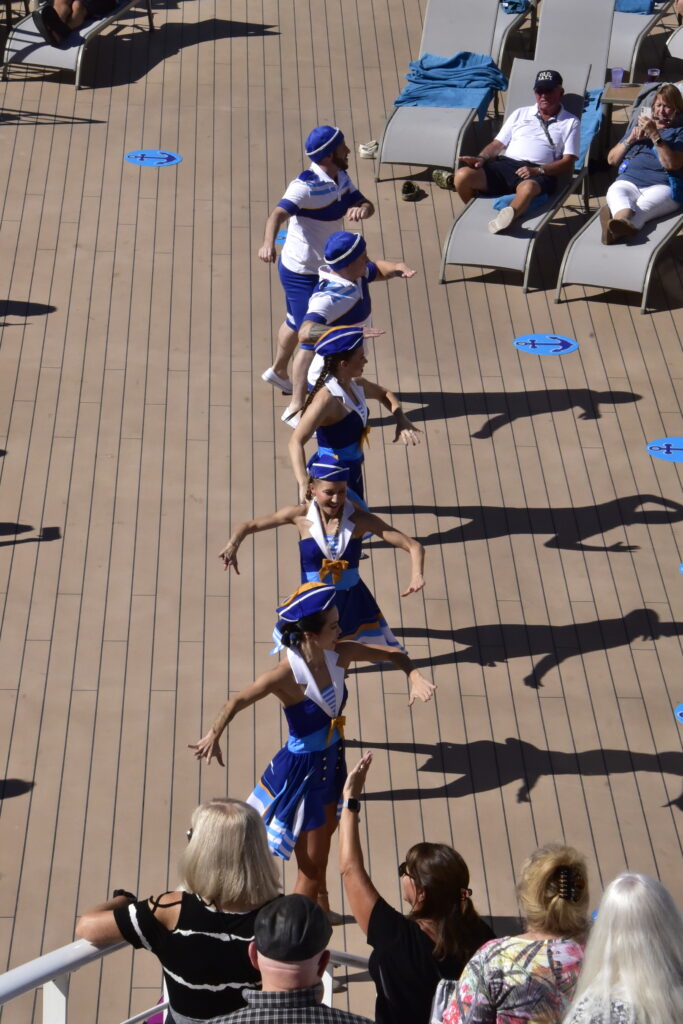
(516, 980)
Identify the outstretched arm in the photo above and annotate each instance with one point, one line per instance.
(271, 522)
(405, 431)
(358, 887)
(315, 415)
(208, 746)
(386, 270)
(277, 218)
(349, 651)
(370, 523)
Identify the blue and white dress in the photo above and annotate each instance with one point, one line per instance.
(344, 439)
(334, 559)
(309, 773)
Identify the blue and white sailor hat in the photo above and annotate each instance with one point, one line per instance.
(323, 466)
(339, 339)
(306, 600)
(343, 247)
(322, 141)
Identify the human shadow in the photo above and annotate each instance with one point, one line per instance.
(124, 57)
(485, 765)
(505, 407)
(14, 787)
(11, 307)
(38, 117)
(570, 526)
(498, 643)
(47, 533)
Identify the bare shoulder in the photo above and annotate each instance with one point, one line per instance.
(166, 908)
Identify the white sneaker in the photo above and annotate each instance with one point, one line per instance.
(502, 221)
(283, 383)
(291, 418)
(368, 150)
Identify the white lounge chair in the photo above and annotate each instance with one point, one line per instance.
(469, 243)
(25, 45)
(629, 32)
(576, 30)
(432, 136)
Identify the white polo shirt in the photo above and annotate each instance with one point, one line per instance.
(524, 137)
(317, 205)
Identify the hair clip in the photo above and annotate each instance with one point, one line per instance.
(569, 884)
(465, 894)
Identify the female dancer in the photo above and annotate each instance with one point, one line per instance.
(336, 410)
(331, 530)
(299, 792)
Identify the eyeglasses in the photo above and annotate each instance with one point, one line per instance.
(189, 834)
(403, 869)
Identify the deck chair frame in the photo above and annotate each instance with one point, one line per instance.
(26, 46)
(668, 236)
(453, 25)
(642, 25)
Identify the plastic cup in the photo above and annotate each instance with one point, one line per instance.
(617, 77)
(653, 74)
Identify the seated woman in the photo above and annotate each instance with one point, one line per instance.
(633, 966)
(434, 940)
(646, 159)
(57, 21)
(531, 977)
(200, 933)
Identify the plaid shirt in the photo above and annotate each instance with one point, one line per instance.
(298, 1007)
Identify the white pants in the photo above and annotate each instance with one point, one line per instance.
(646, 203)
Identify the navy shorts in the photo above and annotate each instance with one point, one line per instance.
(298, 290)
(501, 177)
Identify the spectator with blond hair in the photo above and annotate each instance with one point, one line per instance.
(531, 977)
(201, 932)
(632, 970)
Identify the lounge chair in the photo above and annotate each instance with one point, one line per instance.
(469, 243)
(576, 29)
(674, 43)
(628, 34)
(626, 266)
(506, 25)
(25, 45)
(432, 136)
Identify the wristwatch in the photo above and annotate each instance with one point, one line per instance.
(352, 804)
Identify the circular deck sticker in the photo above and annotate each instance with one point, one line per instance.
(545, 344)
(668, 448)
(679, 712)
(153, 158)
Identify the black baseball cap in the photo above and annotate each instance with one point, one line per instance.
(547, 80)
(291, 929)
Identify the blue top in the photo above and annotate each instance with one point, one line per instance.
(342, 434)
(642, 165)
(307, 717)
(340, 302)
(312, 556)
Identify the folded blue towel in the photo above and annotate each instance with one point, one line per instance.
(463, 80)
(591, 119)
(635, 6)
(515, 6)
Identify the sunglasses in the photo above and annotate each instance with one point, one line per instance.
(403, 869)
(189, 834)
(544, 92)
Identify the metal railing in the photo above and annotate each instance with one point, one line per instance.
(52, 973)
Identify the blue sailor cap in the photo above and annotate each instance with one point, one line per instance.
(339, 339)
(343, 247)
(306, 600)
(327, 467)
(322, 141)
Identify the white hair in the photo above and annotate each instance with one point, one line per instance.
(634, 954)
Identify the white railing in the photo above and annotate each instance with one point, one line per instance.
(52, 972)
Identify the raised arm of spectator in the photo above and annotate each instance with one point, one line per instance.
(358, 887)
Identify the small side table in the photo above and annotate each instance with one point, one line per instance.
(611, 97)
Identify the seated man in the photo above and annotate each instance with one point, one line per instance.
(56, 22)
(290, 952)
(541, 143)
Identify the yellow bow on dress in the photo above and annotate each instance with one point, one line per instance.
(337, 723)
(365, 437)
(333, 566)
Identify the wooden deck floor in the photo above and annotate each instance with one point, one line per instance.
(136, 320)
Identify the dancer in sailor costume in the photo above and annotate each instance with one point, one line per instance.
(331, 529)
(298, 795)
(336, 410)
(341, 299)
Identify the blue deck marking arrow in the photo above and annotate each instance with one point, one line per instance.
(153, 158)
(668, 448)
(545, 344)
